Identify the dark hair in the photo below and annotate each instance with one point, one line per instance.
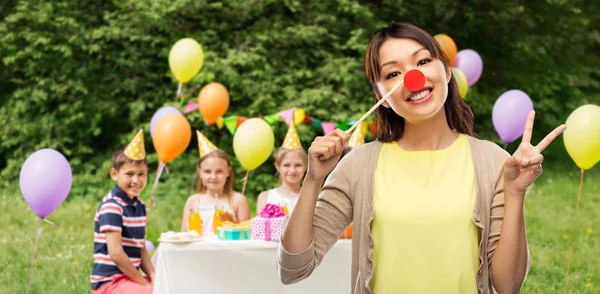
(119, 159)
(390, 126)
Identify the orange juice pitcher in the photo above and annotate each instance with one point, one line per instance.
(195, 222)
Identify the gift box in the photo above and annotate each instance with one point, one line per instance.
(270, 223)
(230, 231)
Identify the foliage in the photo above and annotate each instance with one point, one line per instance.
(83, 76)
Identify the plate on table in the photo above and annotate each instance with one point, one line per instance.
(184, 241)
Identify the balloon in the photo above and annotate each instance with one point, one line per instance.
(448, 46)
(171, 137)
(159, 114)
(582, 136)
(510, 114)
(461, 81)
(185, 59)
(253, 143)
(45, 181)
(149, 245)
(213, 102)
(470, 63)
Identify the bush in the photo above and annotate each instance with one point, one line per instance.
(83, 76)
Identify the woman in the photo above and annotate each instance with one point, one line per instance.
(290, 162)
(215, 193)
(434, 209)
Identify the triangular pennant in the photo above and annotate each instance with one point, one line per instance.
(315, 123)
(220, 123)
(135, 149)
(373, 128)
(328, 127)
(287, 115)
(272, 118)
(299, 116)
(230, 123)
(291, 140)
(240, 120)
(190, 106)
(204, 145)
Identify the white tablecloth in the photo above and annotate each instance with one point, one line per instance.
(242, 267)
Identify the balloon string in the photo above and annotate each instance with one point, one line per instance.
(161, 166)
(573, 231)
(505, 145)
(245, 179)
(46, 220)
(37, 235)
(179, 90)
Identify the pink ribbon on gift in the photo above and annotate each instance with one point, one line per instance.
(270, 211)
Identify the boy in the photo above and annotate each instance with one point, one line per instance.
(120, 227)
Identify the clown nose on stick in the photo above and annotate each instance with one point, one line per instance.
(414, 80)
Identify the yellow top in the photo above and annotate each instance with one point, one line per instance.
(425, 241)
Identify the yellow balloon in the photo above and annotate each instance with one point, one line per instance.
(582, 136)
(299, 116)
(253, 143)
(461, 81)
(186, 59)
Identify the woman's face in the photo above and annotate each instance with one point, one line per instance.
(399, 55)
(214, 172)
(292, 168)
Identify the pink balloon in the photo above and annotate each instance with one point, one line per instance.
(470, 63)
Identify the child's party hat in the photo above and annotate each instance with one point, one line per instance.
(135, 150)
(358, 136)
(204, 145)
(291, 140)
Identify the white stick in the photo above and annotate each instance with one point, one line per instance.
(37, 235)
(374, 107)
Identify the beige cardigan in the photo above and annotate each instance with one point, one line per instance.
(347, 197)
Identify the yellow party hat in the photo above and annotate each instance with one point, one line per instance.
(204, 145)
(291, 140)
(358, 136)
(135, 150)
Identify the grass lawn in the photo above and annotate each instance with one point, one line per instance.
(64, 257)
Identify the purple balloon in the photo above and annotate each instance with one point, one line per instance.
(159, 114)
(471, 65)
(510, 114)
(45, 181)
(149, 245)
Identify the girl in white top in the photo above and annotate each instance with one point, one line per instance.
(291, 162)
(214, 191)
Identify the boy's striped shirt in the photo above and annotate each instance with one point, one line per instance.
(117, 213)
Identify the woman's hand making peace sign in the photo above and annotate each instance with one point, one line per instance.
(525, 165)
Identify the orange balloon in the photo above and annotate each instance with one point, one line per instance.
(213, 102)
(172, 136)
(448, 46)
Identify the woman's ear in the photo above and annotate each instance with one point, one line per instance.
(448, 73)
(379, 92)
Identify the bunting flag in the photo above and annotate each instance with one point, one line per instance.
(230, 123)
(296, 115)
(328, 127)
(287, 115)
(190, 107)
